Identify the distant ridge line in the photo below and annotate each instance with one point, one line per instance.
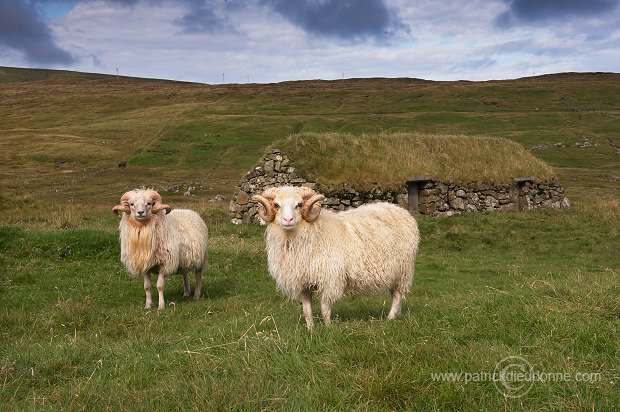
(17, 74)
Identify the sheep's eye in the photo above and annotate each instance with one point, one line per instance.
(131, 204)
(276, 205)
(298, 206)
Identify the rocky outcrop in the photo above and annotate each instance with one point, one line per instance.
(425, 196)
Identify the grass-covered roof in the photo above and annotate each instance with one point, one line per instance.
(388, 159)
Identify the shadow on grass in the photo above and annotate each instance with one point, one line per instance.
(362, 309)
(212, 289)
(218, 288)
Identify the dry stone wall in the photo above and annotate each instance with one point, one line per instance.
(425, 196)
(444, 198)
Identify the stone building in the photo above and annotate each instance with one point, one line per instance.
(418, 194)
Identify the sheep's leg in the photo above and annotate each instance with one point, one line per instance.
(198, 286)
(326, 311)
(147, 291)
(161, 282)
(396, 301)
(185, 285)
(306, 304)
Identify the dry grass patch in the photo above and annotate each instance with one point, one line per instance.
(388, 159)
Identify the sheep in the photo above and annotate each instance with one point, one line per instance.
(367, 250)
(156, 240)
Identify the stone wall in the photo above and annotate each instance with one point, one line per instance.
(424, 196)
(444, 198)
(274, 169)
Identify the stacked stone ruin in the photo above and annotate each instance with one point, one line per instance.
(420, 195)
(445, 198)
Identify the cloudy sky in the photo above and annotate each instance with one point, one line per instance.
(264, 41)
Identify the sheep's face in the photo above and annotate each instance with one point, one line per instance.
(289, 206)
(141, 207)
(141, 204)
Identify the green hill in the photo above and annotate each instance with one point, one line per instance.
(19, 75)
(64, 134)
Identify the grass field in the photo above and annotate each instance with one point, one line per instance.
(539, 290)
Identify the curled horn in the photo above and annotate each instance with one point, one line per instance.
(157, 204)
(266, 210)
(311, 208)
(124, 205)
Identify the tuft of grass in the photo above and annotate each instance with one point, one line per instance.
(388, 159)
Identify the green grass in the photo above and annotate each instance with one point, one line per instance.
(389, 159)
(543, 285)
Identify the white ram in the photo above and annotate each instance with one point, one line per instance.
(367, 250)
(157, 240)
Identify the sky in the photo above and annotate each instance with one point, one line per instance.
(267, 41)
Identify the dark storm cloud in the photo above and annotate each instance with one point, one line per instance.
(22, 29)
(206, 16)
(200, 20)
(533, 11)
(345, 19)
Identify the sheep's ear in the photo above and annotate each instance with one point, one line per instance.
(266, 210)
(311, 208)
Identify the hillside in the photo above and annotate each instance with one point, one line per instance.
(18, 75)
(63, 135)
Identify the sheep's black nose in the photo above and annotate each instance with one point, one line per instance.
(140, 212)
